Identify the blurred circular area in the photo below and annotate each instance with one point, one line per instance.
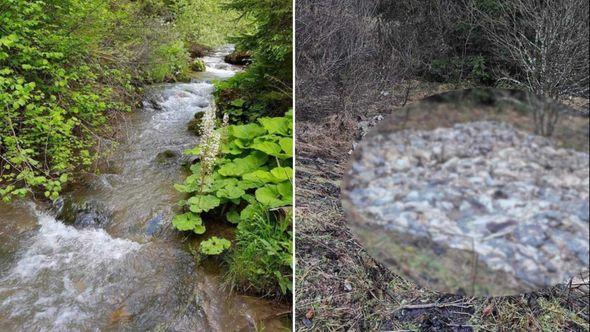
(480, 192)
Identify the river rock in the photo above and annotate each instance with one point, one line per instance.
(167, 157)
(510, 209)
(198, 65)
(81, 214)
(194, 125)
(239, 58)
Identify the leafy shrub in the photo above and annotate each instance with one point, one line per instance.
(266, 87)
(479, 71)
(170, 62)
(251, 179)
(454, 69)
(51, 102)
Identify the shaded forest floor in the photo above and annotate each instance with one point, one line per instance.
(340, 287)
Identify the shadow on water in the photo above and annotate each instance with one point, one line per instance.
(116, 263)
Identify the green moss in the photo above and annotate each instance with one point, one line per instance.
(198, 65)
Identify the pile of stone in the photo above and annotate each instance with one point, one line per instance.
(517, 202)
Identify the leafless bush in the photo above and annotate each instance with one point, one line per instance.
(349, 53)
(338, 56)
(547, 42)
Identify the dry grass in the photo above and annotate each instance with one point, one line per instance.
(340, 287)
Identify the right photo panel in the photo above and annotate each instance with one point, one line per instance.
(442, 165)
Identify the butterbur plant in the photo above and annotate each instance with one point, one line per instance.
(244, 171)
(207, 152)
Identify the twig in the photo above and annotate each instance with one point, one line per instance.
(434, 305)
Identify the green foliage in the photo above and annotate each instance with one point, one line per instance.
(189, 222)
(206, 22)
(250, 186)
(456, 68)
(66, 65)
(169, 62)
(51, 101)
(214, 246)
(265, 89)
(262, 259)
(254, 172)
(479, 70)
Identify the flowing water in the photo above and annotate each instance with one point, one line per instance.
(131, 272)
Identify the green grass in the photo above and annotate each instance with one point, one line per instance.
(261, 259)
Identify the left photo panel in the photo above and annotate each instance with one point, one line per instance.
(146, 165)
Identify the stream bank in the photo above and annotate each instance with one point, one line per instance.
(131, 272)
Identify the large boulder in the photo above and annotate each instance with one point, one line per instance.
(167, 157)
(240, 58)
(197, 50)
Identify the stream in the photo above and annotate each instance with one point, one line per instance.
(121, 266)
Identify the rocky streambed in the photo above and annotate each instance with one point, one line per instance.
(479, 207)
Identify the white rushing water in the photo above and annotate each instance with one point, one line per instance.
(54, 279)
(215, 65)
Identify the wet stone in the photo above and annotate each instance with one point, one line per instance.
(81, 214)
(153, 225)
(508, 208)
(167, 157)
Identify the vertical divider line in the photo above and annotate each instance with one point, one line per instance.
(293, 204)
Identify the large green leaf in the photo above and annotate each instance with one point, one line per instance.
(230, 192)
(241, 143)
(188, 222)
(269, 196)
(214, 246)
(282, 173)
(247, 184)
(231, 148)
(203, 203)
(276, 125)
(222, 183)
(240, 166)
(269, 148)
(287, 145)
(286, 191)
(260, 176)
(247, 131)
(233, 216)
(249, 198)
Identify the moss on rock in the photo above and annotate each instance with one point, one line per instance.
(198, 65)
